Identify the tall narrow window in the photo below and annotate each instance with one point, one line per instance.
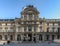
(25, 29)
(35, 16)
(34, 29)
(47, 29)
(29, 28)
(18, 29)
(30, 17)
(41, 30)
(25, 17)
(11, 37)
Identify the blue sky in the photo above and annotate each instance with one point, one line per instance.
(12, 8)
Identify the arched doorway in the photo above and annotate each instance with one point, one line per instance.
(47, 37)
(18, 37)
(40, 37)
(52, 37)
(29, 37)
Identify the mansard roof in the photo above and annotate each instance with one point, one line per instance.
(53, 20)
(6, 19)
(29, 8)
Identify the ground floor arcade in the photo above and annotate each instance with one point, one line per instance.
(33, 37)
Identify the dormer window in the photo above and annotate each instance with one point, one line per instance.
(30, 16)
(25, 17)
(35, 16)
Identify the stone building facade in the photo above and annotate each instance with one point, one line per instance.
(30, 27)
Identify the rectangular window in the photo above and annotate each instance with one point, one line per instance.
(35, 16)
(34, 29)
(18, 29)
(50, 29)
(30, 17)
(11, 37)
(47, 29)
(25, 17)
(41, 30)
(29, 29)
(53, 29)
(25, 29)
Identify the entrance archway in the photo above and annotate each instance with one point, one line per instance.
(40, 37)
(18, 37)
(52, 37)
(34, 39)
(29, 37)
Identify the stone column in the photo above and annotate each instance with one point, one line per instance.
(21, 37)
(8, 37)
(32, 37)
(27, 28)
(38, 29)
(15, 37)
(33, 17)
(43, 37)
(32, 29)
(27, 17)
(22, 29)
(27, 37)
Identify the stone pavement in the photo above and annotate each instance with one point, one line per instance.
(32, 44)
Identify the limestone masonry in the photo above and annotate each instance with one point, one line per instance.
(29, 27)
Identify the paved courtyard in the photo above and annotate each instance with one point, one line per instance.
(32, 44)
